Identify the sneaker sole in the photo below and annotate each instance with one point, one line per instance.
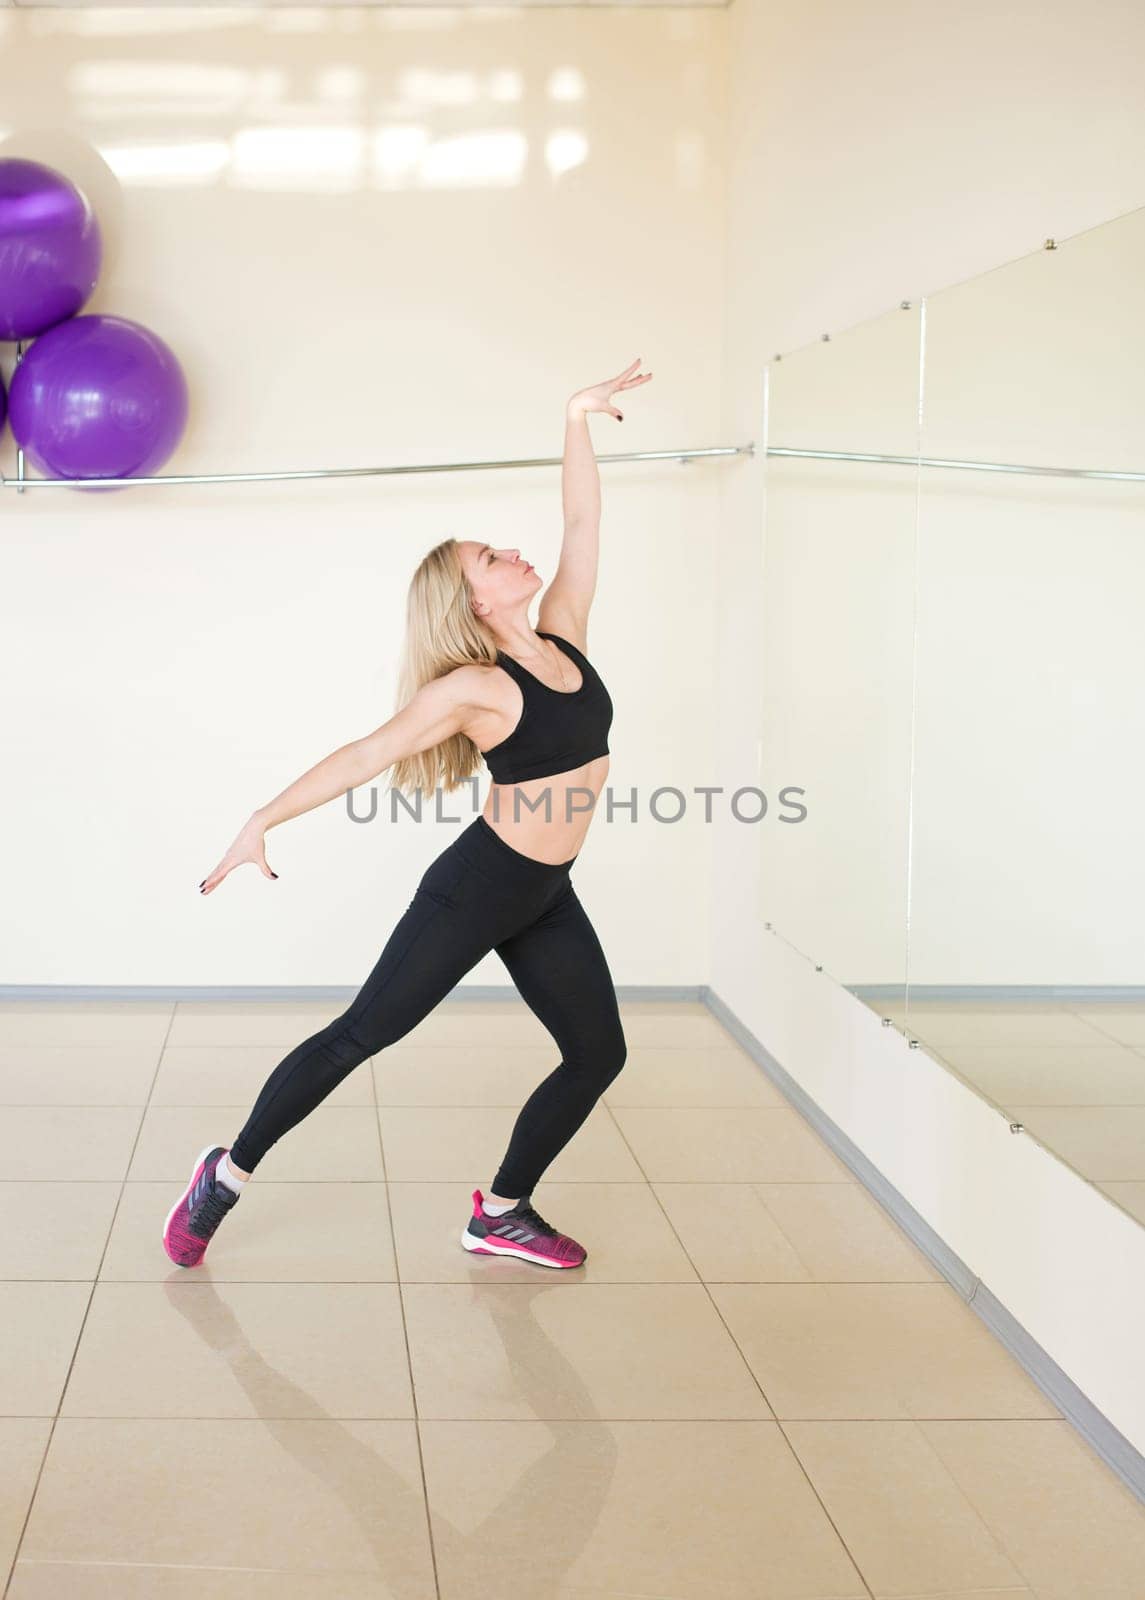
(200, 1162)
(482, 1247)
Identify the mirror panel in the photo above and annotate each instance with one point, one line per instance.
(1024, 957)
(837, 648)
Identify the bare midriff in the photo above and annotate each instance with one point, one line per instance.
(547, 818)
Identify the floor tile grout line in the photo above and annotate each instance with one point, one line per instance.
(382, 1105)
(729, 1183)
(1095, 1429)
(491, 1105)
(378, 1107)
(427, 1512)
(465, 1283)
(83, 1320)
(747, 1364)
(741, 1183)
(480, 1422)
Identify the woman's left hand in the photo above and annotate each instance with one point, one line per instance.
(599, 396)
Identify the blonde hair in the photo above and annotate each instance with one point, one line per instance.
(442, 632)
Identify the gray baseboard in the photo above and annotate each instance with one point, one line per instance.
(959, 993)
(1118, 1453)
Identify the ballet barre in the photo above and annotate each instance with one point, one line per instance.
(939, 461)
(20, 482)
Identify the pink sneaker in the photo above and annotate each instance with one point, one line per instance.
(192, 1220)
(520, 1232)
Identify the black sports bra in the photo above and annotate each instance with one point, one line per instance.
(558, 729)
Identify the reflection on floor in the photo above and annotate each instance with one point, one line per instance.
(756, 1386)
(1073, 1074)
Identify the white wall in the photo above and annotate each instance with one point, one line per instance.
(876, 154)
(372, 237)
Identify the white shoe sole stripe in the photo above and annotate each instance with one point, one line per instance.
(470, 1243)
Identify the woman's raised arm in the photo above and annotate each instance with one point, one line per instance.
(565, 604)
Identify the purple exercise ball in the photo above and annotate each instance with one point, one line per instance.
(50, 248)
(98, 397)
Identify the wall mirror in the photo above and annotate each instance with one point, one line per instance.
(954, 662)
(837, 645)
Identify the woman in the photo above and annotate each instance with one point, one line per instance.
(476, 681)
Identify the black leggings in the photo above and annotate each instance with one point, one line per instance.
(478, 895)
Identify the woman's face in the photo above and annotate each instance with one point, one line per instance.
(498, 578)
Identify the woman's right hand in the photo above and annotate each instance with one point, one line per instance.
(248, 846)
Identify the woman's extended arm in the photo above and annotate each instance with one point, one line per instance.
(333, 775)
(566, 602)
(438, 710)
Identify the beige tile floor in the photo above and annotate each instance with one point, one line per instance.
(755, 1389)
(1073, 1074)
